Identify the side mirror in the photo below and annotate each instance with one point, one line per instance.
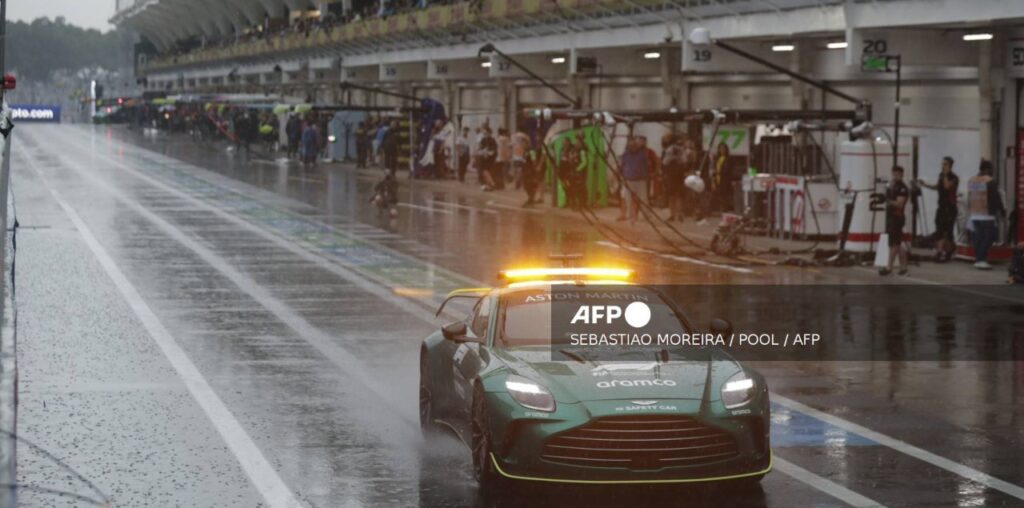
(720, 326)
(455, 331)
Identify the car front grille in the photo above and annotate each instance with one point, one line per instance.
(640, 442)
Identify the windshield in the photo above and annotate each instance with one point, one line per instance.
(527, 314)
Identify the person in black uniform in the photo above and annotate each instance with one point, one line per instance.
(896, 196)
(946, 213)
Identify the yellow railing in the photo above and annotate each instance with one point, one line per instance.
(432, 19)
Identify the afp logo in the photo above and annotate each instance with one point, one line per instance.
(636, 314)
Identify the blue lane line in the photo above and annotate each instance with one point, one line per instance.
(793, 428)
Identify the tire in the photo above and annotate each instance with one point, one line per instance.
(483, 468)
(426, 396)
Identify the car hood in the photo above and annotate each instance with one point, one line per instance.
(573, 381)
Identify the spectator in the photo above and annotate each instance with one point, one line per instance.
(293, 130)
(946, 213)
(983, 205)
(389, 146)
(310, 142)
(691, 162)
(570, 162)
(378, 140)
(653, 171)
(362, 144)
(488, 154)
(520, 146)
(504, 159)
(533, 171)
(440, 147)
(673, 170)
(635, 172)
(896, 196)
(462, 153)
(721, 180)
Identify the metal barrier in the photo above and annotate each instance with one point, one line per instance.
(8, 326)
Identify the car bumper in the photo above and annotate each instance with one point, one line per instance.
(520, 449)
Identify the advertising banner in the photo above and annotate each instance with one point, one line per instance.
(35, 112)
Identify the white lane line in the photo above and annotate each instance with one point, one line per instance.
(674, 257)
(905, 448)
(353, 274)
(825, 485)
(520, 209)
(946, 285)
(260, 472)
(426, 208)
(464, 207)
(324, 343)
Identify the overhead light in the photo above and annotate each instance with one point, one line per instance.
(836, 45)
(652, 55)
(485, 65)
(558, 60)
(978, 37)
(783, 47)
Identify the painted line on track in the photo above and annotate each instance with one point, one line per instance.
(674, 257)
(825, 485)
(426, 208)
(323, 342)
(262, 475)
(905, 448)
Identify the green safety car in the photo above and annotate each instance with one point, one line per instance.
(532, 411)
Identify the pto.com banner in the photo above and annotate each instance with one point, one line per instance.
(773, 323)
(35, 112)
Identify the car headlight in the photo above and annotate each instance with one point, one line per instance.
(737, 391)
(529, 394)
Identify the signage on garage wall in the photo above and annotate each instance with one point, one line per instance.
(1015, 57)
(736, 137)
(709, 58)
(439, 69)
(867, 48)
(396, 72)
(502, 68)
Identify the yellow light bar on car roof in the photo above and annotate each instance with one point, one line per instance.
(581, 272)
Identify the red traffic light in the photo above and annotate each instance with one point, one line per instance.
(10, 82)
(120, 100)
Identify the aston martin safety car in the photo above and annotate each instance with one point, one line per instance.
(530, 410)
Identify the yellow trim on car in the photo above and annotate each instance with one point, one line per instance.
(468, 291)
(771, 459)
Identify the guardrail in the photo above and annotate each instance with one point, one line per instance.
(8, 325)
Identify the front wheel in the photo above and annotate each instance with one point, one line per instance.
(483, 467)
(426, 395)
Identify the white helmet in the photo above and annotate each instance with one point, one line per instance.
(695, 183)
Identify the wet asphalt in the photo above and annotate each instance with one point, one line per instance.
(303, 311)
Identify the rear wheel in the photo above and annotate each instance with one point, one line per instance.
(482, 445)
